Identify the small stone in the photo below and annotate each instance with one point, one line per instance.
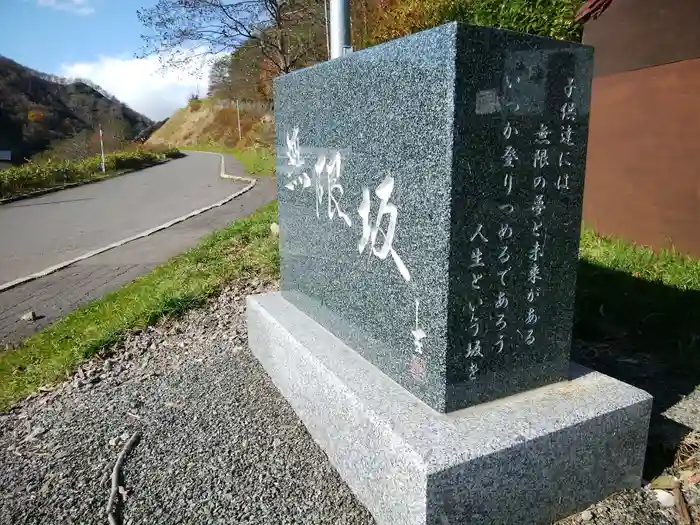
(124, 436)
(274, 228)
(38, 431)
(691, 498)
(586, 515)
(664, 498)
(107, 365)
(29, 316)
(35, 433)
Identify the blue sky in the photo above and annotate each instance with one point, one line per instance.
(96, 39)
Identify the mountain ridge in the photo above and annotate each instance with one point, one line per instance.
(39, 110)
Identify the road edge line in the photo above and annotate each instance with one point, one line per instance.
(52, 269)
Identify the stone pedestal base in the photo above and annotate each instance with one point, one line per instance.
(531, 458)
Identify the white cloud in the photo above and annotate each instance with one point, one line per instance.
(141, 84)
(79, 7)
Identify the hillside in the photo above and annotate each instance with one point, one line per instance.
(38, 111)
(145, 134)
(215, 121)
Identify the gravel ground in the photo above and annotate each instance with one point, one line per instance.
(631, 507)
(218, 443)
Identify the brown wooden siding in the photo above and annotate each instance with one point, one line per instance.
(633, 34)
(643, 168)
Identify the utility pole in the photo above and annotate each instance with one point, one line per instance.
(325, 17)
(340, 28)
(238, 112)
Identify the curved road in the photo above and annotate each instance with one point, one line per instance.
(38, 233)
(44, 231)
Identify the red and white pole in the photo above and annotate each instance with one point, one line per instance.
(102, 151)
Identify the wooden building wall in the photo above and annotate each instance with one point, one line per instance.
(643, 169)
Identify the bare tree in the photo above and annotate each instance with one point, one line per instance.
(219, 75)
(245, 69)
(286, 31)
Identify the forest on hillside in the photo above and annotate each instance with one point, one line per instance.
(256, 40)
(41, 112)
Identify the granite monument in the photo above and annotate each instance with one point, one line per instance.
(430, 194)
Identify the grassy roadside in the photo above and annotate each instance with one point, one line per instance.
(244, 248)
(35, 177)
(58, 186)
(257, 161)
(627, 297)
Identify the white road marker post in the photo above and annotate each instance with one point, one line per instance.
(102, 151)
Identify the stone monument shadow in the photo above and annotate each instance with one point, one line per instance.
(646, 334)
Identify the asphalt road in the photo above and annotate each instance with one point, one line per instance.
(41, 232)
(57, 294)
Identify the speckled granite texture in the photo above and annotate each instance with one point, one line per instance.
(528, 459)
(417, 195)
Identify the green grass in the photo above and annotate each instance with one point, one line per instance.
(627, 297)
(665, 267)
(243, 249)
(638, 300)
(260, 161)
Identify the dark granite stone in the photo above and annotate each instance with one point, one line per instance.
(444, 125)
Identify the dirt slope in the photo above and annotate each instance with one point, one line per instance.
(208, 122)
